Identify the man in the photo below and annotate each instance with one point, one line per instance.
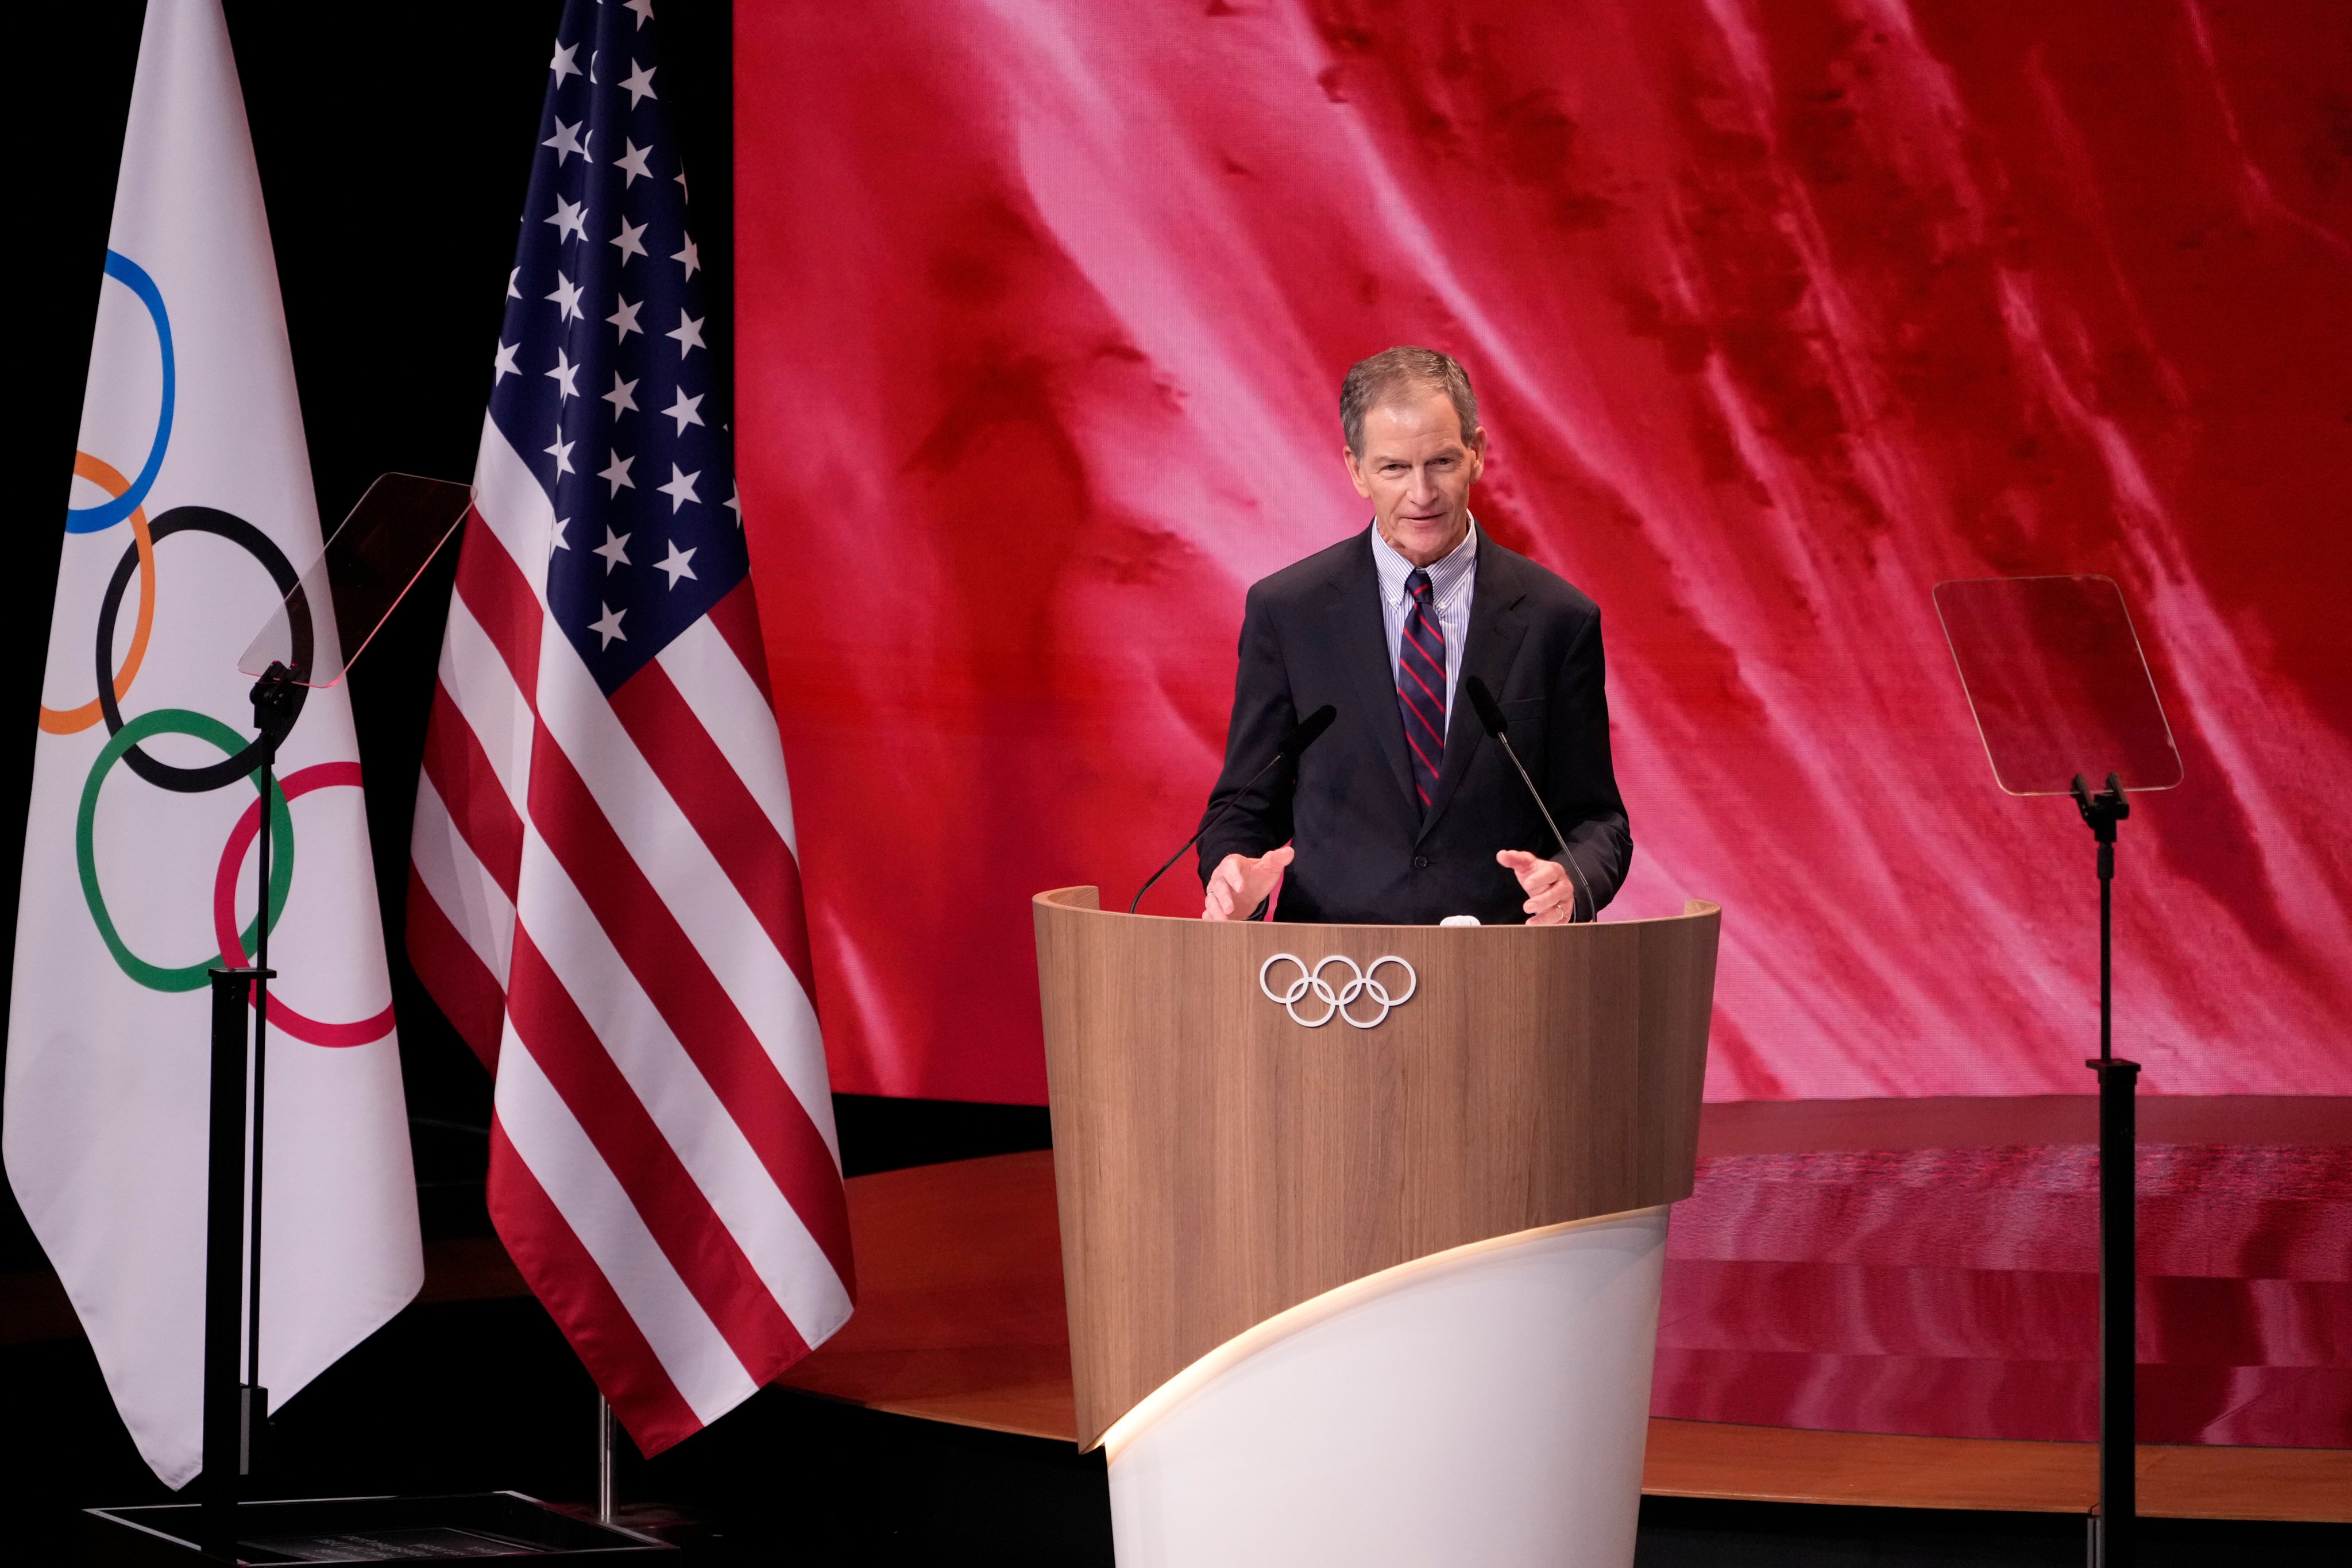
(1405, 811)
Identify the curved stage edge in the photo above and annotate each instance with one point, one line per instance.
(961, 1320)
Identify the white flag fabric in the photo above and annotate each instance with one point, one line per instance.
(191, 514)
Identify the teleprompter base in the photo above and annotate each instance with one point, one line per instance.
(359, 1529)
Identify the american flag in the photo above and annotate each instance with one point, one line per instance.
(603, 891)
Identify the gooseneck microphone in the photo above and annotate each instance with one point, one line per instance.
(1303, 735)
(1490, 714)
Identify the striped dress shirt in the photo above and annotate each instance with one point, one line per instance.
(1452, 582)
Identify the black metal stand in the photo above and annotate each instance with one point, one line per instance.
(225, 1450)
(504, 1525)
(235, 1404)
(275, 704)
(2113, 1533)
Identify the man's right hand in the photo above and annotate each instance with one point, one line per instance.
(1240, 884)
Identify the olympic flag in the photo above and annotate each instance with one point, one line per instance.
(603, 894)
(190, 516)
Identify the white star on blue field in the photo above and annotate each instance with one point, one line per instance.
(606, 294)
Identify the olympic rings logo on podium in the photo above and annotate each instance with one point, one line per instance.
(241, 756)
(1361, 983)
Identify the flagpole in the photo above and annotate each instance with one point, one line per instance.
(604, 1441)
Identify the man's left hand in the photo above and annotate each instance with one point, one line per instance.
(1551, 892)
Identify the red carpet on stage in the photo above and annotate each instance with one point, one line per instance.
(1952, 1292)
(1924, 1267)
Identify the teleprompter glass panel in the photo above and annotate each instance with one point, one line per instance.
(2058, 683)
(367, 566)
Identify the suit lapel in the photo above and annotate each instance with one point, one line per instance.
(1361, 636)
(1496, 629)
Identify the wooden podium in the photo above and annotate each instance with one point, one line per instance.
(1363, 1226)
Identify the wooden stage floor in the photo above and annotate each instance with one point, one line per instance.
(960, 1319)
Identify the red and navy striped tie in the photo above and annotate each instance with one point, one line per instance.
(1421, 687)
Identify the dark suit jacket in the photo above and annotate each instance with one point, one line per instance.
(1312, 633)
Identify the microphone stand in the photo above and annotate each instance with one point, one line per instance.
(1567, 855)
(1490, 715)
(1303, 735)
(1202, 830)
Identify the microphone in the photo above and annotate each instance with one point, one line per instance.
(1490, 714)
(1303, 735)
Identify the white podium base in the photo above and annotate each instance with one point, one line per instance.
(1485, 1407)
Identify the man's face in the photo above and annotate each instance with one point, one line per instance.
(1416, 470)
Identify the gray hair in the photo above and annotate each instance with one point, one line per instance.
(1378, 380)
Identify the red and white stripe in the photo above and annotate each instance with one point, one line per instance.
(604, 897)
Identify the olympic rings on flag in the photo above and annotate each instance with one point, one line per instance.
(107, 513)
(203, 727)
(73, 720)
(126, 498)
(237, 531)
(234, 949)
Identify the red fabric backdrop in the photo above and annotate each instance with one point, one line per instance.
(1779, 315)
